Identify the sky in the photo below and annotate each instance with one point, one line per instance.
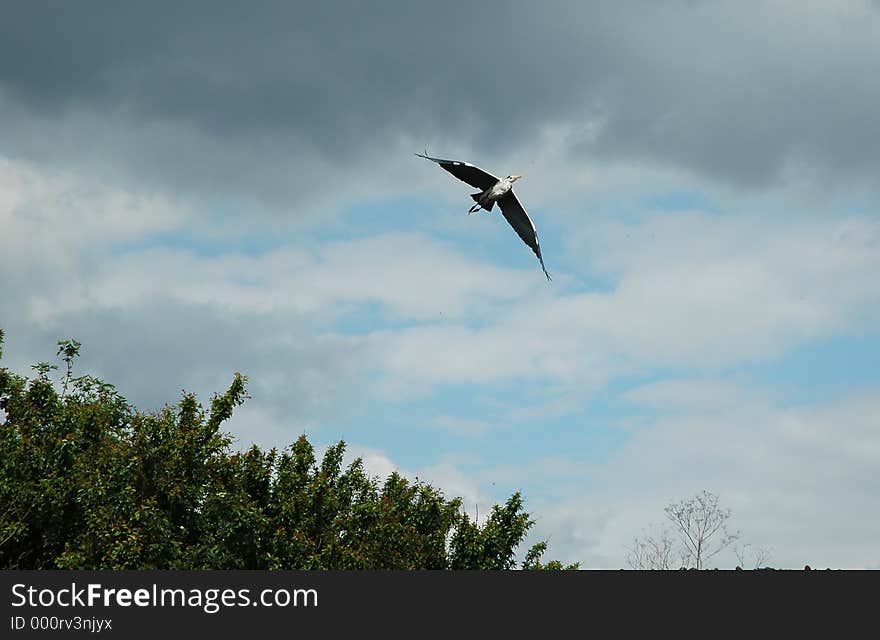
(194, 189)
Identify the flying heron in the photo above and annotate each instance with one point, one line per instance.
(494, 190)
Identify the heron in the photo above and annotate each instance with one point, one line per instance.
(492, 190)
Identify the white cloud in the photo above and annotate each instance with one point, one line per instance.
(691, 290)
(688, 289)
(411, 276)
(697, 395)
(376, 463)
(454, 483)
(443, 475)
(49, 214)
(799, 479)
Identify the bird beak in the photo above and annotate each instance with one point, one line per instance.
(515, 178)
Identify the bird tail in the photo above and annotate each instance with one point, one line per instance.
(546, 273)
(487, 207)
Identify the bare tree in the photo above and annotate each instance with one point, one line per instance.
(702, 527)
(652, 551)
(760, 556)
(698, 534)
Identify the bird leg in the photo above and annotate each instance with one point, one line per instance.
(474, 209)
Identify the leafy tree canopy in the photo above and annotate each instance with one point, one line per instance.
(89, 482)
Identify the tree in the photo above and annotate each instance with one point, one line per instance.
(533, 560)
(746, 556)
(89, 482)
(653, 551)
(702, 526)
(699, 525)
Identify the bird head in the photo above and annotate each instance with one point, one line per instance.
(513, 178)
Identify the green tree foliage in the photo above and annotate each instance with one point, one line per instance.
(88, 482)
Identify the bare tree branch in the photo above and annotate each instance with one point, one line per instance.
(653, 551)
(702, 525)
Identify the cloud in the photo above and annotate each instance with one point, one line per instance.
(392, 269)
(746, 291)
(689, 290)
(376, 463)
(696, 395)
(89, 261)
(454, 483)
(50, 217)
(716, 304)
(443, 475)
(797, 477)
(277, 106)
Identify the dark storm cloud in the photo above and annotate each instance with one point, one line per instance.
(316, 69)
(275, 99)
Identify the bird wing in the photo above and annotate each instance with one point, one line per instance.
(516, 215)
(466, 172)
